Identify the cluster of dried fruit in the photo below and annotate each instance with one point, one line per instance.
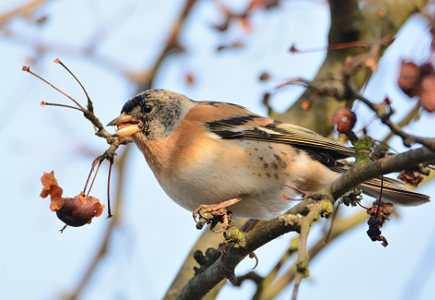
(379, 213)
(76, 211)
(418, 81)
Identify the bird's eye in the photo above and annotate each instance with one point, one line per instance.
(147, 108)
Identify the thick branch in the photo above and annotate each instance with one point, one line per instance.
(206, 240)
(377, 168)
(201, 283)
(346, 21)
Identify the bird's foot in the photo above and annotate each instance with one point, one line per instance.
(213, 214)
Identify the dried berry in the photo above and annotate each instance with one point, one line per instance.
(409, 78)
(80, 210)
(374, 232)
(378, 215)
(345, 119)
(427, 92)
(293, 49)
(264, 76)
(306, 105)
(189, 78)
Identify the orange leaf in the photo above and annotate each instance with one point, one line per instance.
(53, 189)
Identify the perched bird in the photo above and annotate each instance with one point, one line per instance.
(209, 156)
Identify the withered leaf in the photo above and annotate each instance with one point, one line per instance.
(50, 187)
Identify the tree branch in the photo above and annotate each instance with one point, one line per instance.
(340, 227)
(104, 245)
(318, 117)
(202, 282)
(23, 10)
(407, 138)
(374, 169)
(146, 80)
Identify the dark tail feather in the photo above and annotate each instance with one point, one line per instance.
(393, 192)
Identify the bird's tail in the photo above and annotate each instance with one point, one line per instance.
(393, 191)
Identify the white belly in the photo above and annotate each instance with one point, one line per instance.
(259, 175)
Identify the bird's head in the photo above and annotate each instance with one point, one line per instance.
(152, 114)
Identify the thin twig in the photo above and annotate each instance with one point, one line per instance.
(407, 138)
(23, 10)
(27, 69)
(102, 250)
(43, 103)
(412, 115)
(303, 258)
(90, 105)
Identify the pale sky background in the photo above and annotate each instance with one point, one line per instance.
(37, 262)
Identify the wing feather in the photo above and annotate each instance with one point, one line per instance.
(254, 127)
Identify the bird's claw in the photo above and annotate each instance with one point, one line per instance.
(214, 213)
(211, 214)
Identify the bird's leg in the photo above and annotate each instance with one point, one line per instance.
(214, 210)
(303, 193)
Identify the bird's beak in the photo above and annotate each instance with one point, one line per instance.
(127, 125)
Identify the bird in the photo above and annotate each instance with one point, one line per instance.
(216, 157)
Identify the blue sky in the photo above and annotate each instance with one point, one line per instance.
(37, 262)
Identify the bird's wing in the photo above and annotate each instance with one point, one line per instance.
(230, 121)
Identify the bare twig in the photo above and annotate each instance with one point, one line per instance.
(102, 250)
(303, 258)
(23, 10)
(384, 116)
(145, 80)
(412, 115)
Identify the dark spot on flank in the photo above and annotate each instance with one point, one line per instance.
(259, 174)
(266, 165)
(298, 151)
(270, 147)
(276, 176)
(277, 157)
(283, 164)
(260, 157)
(268, 174)
(275, 166)
(283, 153)
(256, 149)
